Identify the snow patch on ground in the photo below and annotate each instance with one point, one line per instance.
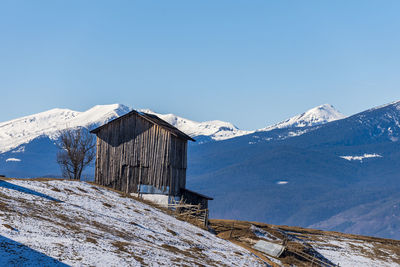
(350, 253)
(262, 234)
(360, 158)
(13, 160)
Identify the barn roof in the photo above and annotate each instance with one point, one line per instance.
(153, 119)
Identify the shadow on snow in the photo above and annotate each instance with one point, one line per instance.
(16, 254)
(22, 189)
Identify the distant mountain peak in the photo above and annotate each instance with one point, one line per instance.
(22, 130)
(216, 129)
(315, 116)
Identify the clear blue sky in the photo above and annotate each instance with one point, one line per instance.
(252, 63)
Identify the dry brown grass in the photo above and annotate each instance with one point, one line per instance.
(139, 259)
(191, 255)
(96, 188)
(176, 250)
(107, 205)
(82, 190)
(9, 227)
(107, 188)
(91, 240)
(237, 232)
(121, 246)
(69, 191)
(4, 207)
(172, 232)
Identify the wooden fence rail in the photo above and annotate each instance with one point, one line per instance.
(190, 211)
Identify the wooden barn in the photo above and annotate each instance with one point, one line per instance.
(141, 154)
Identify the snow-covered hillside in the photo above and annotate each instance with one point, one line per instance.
(60, 223)
(22, 130)
(70, 223)
(315, 116)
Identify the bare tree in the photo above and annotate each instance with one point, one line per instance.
(76, 151)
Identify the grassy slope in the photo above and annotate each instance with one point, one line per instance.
(332, 248)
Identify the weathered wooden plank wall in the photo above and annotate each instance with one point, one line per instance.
(133, 150)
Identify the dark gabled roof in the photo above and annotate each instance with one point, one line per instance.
(167, 126)
(153, 119)
(195, 193)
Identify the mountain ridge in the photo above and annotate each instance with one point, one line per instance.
(22, 130)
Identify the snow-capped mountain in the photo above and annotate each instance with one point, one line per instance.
(20, 131)
(315, 116)
(220, 130)
(27, 143)
(23, 130)
(217, 130)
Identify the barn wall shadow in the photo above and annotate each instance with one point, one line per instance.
(25, 190)
(13, 253)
